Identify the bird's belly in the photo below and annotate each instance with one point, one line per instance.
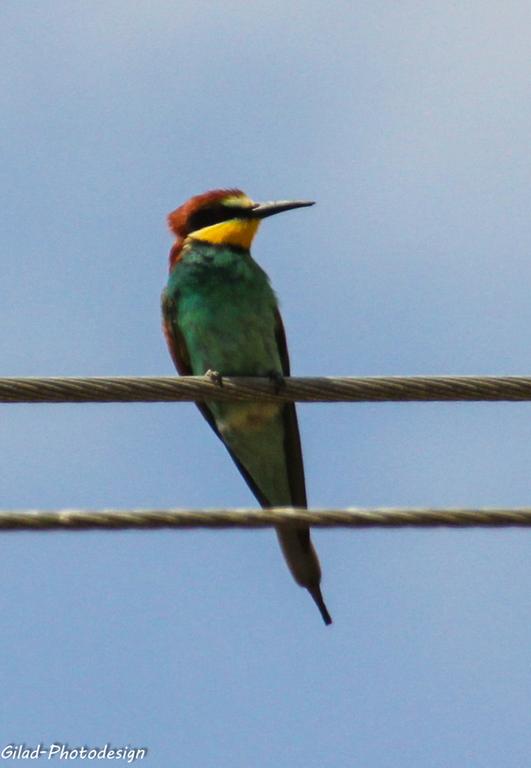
(249, 417)
(234, 337)
(245, 348)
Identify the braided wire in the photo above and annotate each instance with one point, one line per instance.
(352, 517)
(329, 389)
(323, 389)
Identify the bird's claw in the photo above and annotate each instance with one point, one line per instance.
(277, 380)
(215, 377)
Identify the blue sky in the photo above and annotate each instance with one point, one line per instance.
(409, 124)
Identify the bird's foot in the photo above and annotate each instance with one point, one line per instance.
(215, 377)
(277, 380)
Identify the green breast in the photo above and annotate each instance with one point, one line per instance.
(225, 311)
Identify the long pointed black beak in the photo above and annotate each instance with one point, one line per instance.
(262, 210)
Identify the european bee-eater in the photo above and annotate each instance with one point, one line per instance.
(221, 315)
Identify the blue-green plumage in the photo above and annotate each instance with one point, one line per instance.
(227, 318)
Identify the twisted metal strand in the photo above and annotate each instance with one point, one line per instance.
(379, 517)
(324, 389)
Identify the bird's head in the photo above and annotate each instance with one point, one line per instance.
(223, 217)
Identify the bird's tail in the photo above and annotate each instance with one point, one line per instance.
(303, 563)
(315, 592)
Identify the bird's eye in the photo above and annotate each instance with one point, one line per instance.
(214, 214)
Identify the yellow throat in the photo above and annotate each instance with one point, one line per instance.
(237, 232)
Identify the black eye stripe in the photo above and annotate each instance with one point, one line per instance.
(215, 214)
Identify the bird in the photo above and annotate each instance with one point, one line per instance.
(221, 318)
